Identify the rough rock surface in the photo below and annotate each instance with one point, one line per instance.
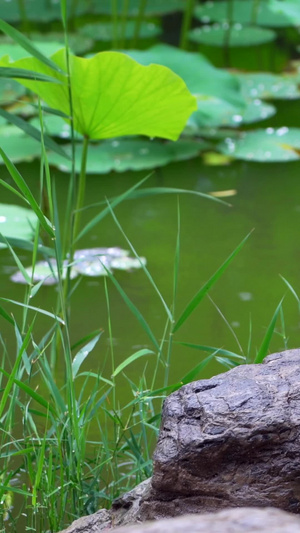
(230, 441)
(125, 510)
(243, 520)
(225, 442)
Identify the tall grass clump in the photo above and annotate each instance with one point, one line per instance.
(79, 444)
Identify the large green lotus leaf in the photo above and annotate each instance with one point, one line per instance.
(215, 112)
(16, 222)
(105, 31)
(129, 154)
(266, 146)
(238, 35)
(201, 77)
(153, 7)
(269, 86)
(39, 10)
(10, 90)
(113, 95)
(244, 12)
(17, 146)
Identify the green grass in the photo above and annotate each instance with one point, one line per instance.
(53, 468)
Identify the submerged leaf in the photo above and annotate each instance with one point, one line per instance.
(269, 86)
(105, 31)
(113, 95)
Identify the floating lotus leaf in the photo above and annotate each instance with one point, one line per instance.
(105, 31)
(266, 146)
(46, 271)
(114, 95)
(17, 222)
(129, 154)
(55, 126)
(289, 9)
(200, 76)
(15, 52)
(216, 112)
(269, 86)
(237, 36)
(88, 262)
(38, 10)
(10, 90)
(17, 146)
(153, 7)
(245, 12)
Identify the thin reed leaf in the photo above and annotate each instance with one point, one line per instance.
(20, 182)
(130, 359)
(33, 132)
(13, 373)
(38, 309)
(27, 245)
(25, 43)
(83, 353)
(31, 392)
(143, 266)
(12, 453)
(106, 211)
(133, 309)
(207, 286)
(212, 349)
(13, 190)
(86, 338)
(6, 316)
(24, 74)
(291, 289)
(192, 374)
(11, 488)
(263, 350)
(17, 260)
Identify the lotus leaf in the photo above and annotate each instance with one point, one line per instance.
(16, 222)
(129, 154)
(38, 10)
(10, 90)
(104, 31)
(269, 86)
(201, 77)
(88, 262)
(17, 146)
(237, 36)
(113, 95)
(216, 112)
(245, 12)
(289, 9)
(153, 7)
(47, 44)
(266, 146)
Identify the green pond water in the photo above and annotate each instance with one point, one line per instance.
(267, 199)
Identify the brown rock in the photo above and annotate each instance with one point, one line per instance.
(230, 441)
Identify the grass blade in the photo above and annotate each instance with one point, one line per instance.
(20, 182)
(204, 290)
(212, 349)
(106, 211)
(33, 132)
(28, 46)
(83, 353)
(133, 309)
(23, 74)
(263, 350)
(42, 311)
(129, 360)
